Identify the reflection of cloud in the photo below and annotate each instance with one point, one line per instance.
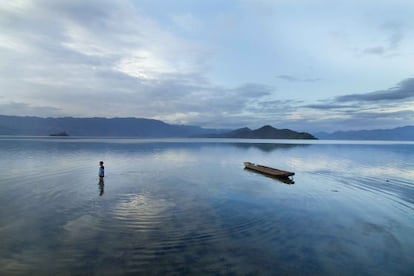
(17, 260)
(387, 171)
(84, 227)
(177, 156)
(319, 164)
(29, 261)
(345, 166)
(141, 212)
(16, 265)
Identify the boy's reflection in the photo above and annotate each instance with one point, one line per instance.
(101, 186)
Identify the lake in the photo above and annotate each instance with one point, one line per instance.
(188, 206)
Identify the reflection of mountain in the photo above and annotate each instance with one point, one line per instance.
(268, 147)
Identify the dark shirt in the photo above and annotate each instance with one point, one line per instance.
(101, 171)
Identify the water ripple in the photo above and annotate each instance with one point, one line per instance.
(391, 188)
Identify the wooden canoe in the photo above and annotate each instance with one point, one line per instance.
(268, 171)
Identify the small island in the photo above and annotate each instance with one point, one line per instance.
(265, 132)
(62, 133)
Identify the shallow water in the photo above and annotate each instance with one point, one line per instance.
(189, 207)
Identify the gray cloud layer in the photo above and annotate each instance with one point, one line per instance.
(403, 91)
(97, 58)
(108, 58)
(378, 109)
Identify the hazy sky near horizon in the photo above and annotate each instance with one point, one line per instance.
(307, 65)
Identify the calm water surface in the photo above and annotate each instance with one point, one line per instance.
(189, 207)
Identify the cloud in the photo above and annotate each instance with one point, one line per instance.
(368, 120)
(328, 106)
(389, 101)
(403, 91)
(117, 34)
(392, 36)
(211, 105)
(379, 109)
(15, 108)
(395, 34)
(297, 79)
(193, 63)
(74, 55)
(377, 50)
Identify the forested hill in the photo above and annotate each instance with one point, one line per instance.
(100, 127)
(265, 132)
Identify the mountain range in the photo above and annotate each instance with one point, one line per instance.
(131, 127)
(400, 133)
(149, 128)
(99, 127)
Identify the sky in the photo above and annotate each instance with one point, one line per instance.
(307, 65)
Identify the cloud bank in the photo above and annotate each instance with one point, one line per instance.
(212, 64)
(377, 109)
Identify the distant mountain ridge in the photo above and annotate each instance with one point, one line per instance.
(131, 127)
(405, 133)
(150, 128)
(100, 127)
(265, 132)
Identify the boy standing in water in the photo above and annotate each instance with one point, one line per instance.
(101, 170)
